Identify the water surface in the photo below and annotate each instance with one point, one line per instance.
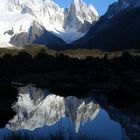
(43, 115)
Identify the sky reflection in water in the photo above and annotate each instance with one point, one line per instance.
(40, 114)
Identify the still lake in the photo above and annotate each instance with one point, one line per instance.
(41, 115)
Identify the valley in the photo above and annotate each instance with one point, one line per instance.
(69, 73)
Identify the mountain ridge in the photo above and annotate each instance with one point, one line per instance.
(19, 15)
(118, 29)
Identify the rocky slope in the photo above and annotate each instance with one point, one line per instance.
(121, 5)
(118, 29)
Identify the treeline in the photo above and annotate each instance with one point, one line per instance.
(24, 63)
(101, 69)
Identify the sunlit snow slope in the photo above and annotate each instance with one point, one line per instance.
(18, 16)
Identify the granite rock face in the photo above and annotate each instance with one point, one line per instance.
(67, 24)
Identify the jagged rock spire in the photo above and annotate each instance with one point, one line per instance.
(69, 25)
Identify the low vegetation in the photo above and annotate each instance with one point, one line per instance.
(33, 50)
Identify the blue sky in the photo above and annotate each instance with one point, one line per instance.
(100, 5)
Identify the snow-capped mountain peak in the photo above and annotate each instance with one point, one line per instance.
(79, 16)
(77, 4)
(74, 21)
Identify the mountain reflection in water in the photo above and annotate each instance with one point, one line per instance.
(42, 114)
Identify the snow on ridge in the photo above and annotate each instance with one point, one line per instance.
(18, 15)
(121, 5)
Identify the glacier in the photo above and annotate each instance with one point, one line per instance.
(18, 16)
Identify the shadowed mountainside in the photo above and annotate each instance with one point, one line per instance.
(117, 33)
